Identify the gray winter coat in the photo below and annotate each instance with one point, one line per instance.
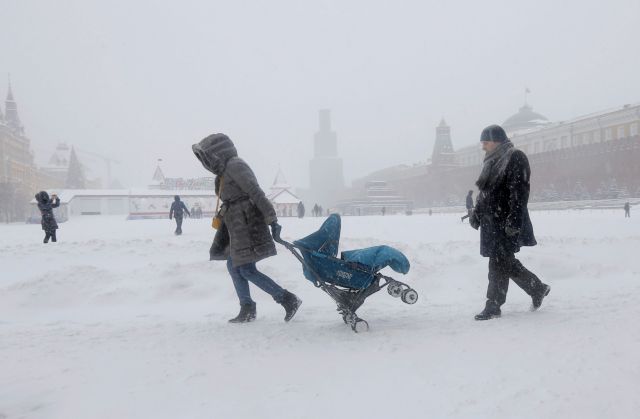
(246, 211)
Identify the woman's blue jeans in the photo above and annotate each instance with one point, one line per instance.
(248, 272)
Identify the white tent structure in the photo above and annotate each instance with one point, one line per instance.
(284, 201)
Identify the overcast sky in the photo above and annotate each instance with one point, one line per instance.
(142, 80)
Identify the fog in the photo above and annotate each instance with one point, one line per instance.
(138, 81)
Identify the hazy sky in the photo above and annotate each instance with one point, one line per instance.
(141, 80)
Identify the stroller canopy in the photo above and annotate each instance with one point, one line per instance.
(326, 241)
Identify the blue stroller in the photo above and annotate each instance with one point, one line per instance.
(353, 277)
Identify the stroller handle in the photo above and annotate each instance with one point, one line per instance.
(278, 239)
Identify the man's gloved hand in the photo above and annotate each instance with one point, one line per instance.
(275, 230)
(511, 232)
(473, 220)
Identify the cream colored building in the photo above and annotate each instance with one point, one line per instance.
(18, 174)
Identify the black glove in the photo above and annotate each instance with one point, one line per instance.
(511, 232)
(474, 221)
(275, 230)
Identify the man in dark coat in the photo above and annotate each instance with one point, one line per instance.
(300, 210)
(247, 214)
(469, 205)
(503, 218)
(627, 210)
(178, 208)
(46, 206)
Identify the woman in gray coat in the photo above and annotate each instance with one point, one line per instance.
(244, 238)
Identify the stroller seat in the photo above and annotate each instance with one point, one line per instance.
(355, 268)
(353, 277)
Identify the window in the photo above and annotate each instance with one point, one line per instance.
(588, 138)
(596, 136)
(608, 134)
(633, 129)
(620, 132)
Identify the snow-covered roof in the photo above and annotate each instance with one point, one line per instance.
(280, 182)
(66, 195)
(284, 197)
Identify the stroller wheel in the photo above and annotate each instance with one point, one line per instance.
(394, 289)
(409, 296)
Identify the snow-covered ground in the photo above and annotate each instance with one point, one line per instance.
(122, 319)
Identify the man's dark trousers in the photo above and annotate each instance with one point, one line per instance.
(178, 224)
(504, 266)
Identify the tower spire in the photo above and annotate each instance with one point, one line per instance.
(11, 109)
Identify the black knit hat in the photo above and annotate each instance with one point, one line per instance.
(494, 133)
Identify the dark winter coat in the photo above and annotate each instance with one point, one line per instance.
(178, 208)
(300, 210)
(46, 206)
(246, 211)
(502, 208)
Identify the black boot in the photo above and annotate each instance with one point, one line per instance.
(291, 303)
(536, 300)
(491, 310)
(247, 314)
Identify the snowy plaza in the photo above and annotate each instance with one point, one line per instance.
(122, 319)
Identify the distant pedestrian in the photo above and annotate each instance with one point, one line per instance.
(627, 210)
(300, 210)
(178, 208)
(469, 205)
(46, 206)
(384, 210)
(314, 210)
(430, 212)
(503, 218)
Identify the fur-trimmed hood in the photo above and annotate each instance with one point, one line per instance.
(214, 151)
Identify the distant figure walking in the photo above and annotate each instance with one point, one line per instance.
(177, 209)
(46, 206)
(384, 210)
(503, 218)
(627, 210)
(469, 205)
(300, 210)
(314, 210)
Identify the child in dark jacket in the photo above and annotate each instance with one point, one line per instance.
(46, 206)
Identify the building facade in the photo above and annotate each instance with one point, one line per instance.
(18, 174)
(590, 157)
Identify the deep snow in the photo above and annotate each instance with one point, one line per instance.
(122, 319)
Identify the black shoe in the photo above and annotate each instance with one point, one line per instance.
(291, 303)
(536, 300)
(491, 310)
(247, 314)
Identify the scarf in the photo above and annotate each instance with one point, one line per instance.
(494, 166)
